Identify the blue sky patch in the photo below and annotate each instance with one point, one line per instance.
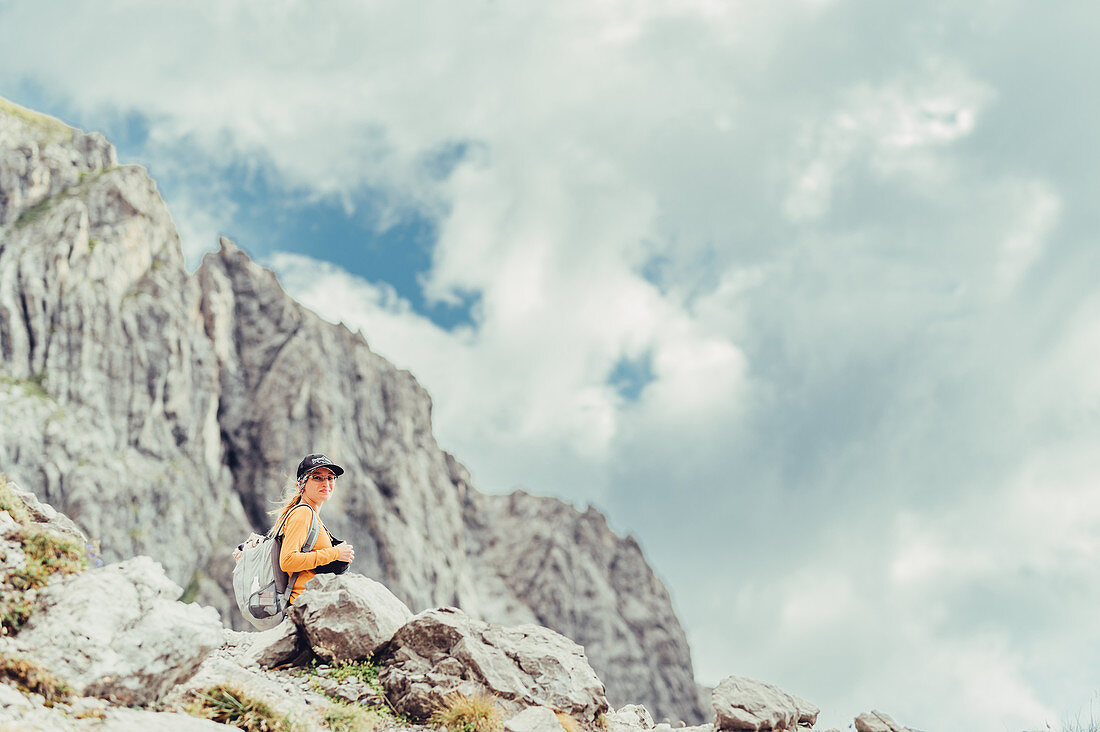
(630, 375)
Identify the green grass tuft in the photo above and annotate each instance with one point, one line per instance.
(31, 678)
(33, 387)
(229, 704)
(34, 213)
(462, 713)
(347, 718)
(364, 671)
(49, 129)
(46, 554)
(12, 503)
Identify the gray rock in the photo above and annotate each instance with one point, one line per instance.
(118, 632)
(703, 695)
(45, 516)
(110, 719)
(664, 727)
(7, 523)
(876, 721)
(746, 704)
(443, 651)
(629, 718)
(289, 695)
(349, 690)
(534, 719)
(273, 647)
(807, 712)
(40, 156)
(35, 518)
(348, 616)
(571, 572)
(140, 720)
(108, 385)
(13, 699)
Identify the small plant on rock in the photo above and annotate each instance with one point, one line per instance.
(31, 678)
(12, 503)
(46, 554)
(363, 671)
(231, 705)
(461, 713)
(347, 718)
(14, 611)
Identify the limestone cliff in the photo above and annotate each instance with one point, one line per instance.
(576, 576)
(108, 386)
(292, 383)
(161, 410)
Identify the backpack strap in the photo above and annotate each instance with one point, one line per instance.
(307, 546)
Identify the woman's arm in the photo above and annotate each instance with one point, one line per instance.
(291, 557)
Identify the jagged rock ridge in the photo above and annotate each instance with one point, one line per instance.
(161, 410)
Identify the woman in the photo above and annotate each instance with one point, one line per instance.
(316, 480)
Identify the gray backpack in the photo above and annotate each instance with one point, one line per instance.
(260, 585)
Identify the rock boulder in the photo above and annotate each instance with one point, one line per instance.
(118, 632)
(347, 616)
(876, 721)
(45, 516)
(629, 718)
(807, 712)
(274, 646)
(747, 704)
(443, 651)
(534, 719)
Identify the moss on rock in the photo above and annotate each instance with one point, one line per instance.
(49, 129)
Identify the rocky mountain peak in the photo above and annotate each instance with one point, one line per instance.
(162, 411)
(42, 156)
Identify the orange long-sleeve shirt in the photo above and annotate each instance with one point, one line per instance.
(293, 559)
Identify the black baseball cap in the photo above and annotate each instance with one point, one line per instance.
(317, 460)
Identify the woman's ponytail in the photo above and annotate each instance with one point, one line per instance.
(292, 496)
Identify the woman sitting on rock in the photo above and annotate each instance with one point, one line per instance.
(316, 480)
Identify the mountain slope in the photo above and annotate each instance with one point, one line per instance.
(161, 410)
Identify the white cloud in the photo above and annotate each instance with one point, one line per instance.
(853, 260)
(893, 131)
(523, 380)
(1036, 210)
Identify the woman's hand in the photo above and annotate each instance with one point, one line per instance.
(347, 552)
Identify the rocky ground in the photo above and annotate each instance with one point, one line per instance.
(112, 648)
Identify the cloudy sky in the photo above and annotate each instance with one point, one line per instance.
(799, 293)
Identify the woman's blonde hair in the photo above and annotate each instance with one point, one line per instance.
(292, 496)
